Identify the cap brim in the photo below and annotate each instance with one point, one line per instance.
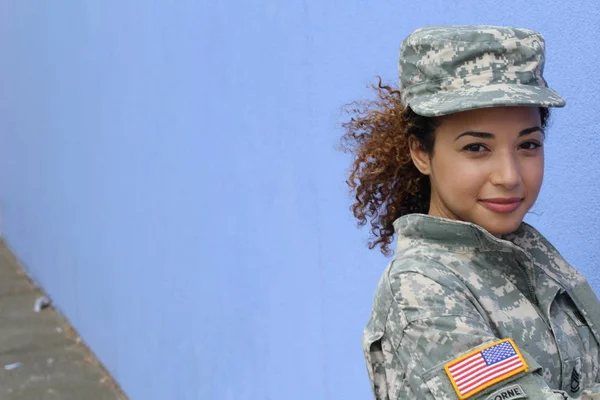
(497, 95)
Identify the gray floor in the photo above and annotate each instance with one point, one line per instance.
(41, 356)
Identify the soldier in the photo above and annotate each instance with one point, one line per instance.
(475, 304)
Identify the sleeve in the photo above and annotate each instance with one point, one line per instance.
(432, 324)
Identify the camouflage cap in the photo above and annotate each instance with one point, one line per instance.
(447, 69)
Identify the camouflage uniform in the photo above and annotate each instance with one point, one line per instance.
(453, 287)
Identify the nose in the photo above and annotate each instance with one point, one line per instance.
(506, 171)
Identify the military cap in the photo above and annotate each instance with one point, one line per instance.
(447, 69)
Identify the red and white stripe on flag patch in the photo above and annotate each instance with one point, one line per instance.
(484, 367)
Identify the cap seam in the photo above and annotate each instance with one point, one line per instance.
(452, 91)
(537, 76)
(417, 40)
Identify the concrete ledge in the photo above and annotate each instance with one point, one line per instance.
(41, 356)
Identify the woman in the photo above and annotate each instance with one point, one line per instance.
(475, 303)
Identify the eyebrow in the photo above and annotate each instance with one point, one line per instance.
(487, 135)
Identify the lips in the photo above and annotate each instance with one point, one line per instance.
(502, 205)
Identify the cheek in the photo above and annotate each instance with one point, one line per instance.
(533, 173)
(458, 176)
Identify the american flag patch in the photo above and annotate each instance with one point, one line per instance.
(485, 367)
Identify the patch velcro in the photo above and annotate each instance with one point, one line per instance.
(484, 367)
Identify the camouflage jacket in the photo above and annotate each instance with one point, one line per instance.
(452, 288)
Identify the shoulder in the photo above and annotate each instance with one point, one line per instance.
(423, 285)
(417, 285)
(423, 267)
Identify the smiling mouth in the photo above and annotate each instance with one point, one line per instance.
(502, 205)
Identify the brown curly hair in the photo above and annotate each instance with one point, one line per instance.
(385, 182)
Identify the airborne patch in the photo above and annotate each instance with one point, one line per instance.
(511, 392)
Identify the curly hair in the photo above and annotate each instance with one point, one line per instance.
(385, 182)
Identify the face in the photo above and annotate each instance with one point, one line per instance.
(486, 167)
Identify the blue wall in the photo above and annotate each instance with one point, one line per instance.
(168, 174)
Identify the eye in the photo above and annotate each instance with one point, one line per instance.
(475, 147)
(530, 145)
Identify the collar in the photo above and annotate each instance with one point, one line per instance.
(455, 234)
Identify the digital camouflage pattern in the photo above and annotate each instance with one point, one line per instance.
(447, 69)
(453, 287)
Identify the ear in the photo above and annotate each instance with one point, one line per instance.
(419, 156)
